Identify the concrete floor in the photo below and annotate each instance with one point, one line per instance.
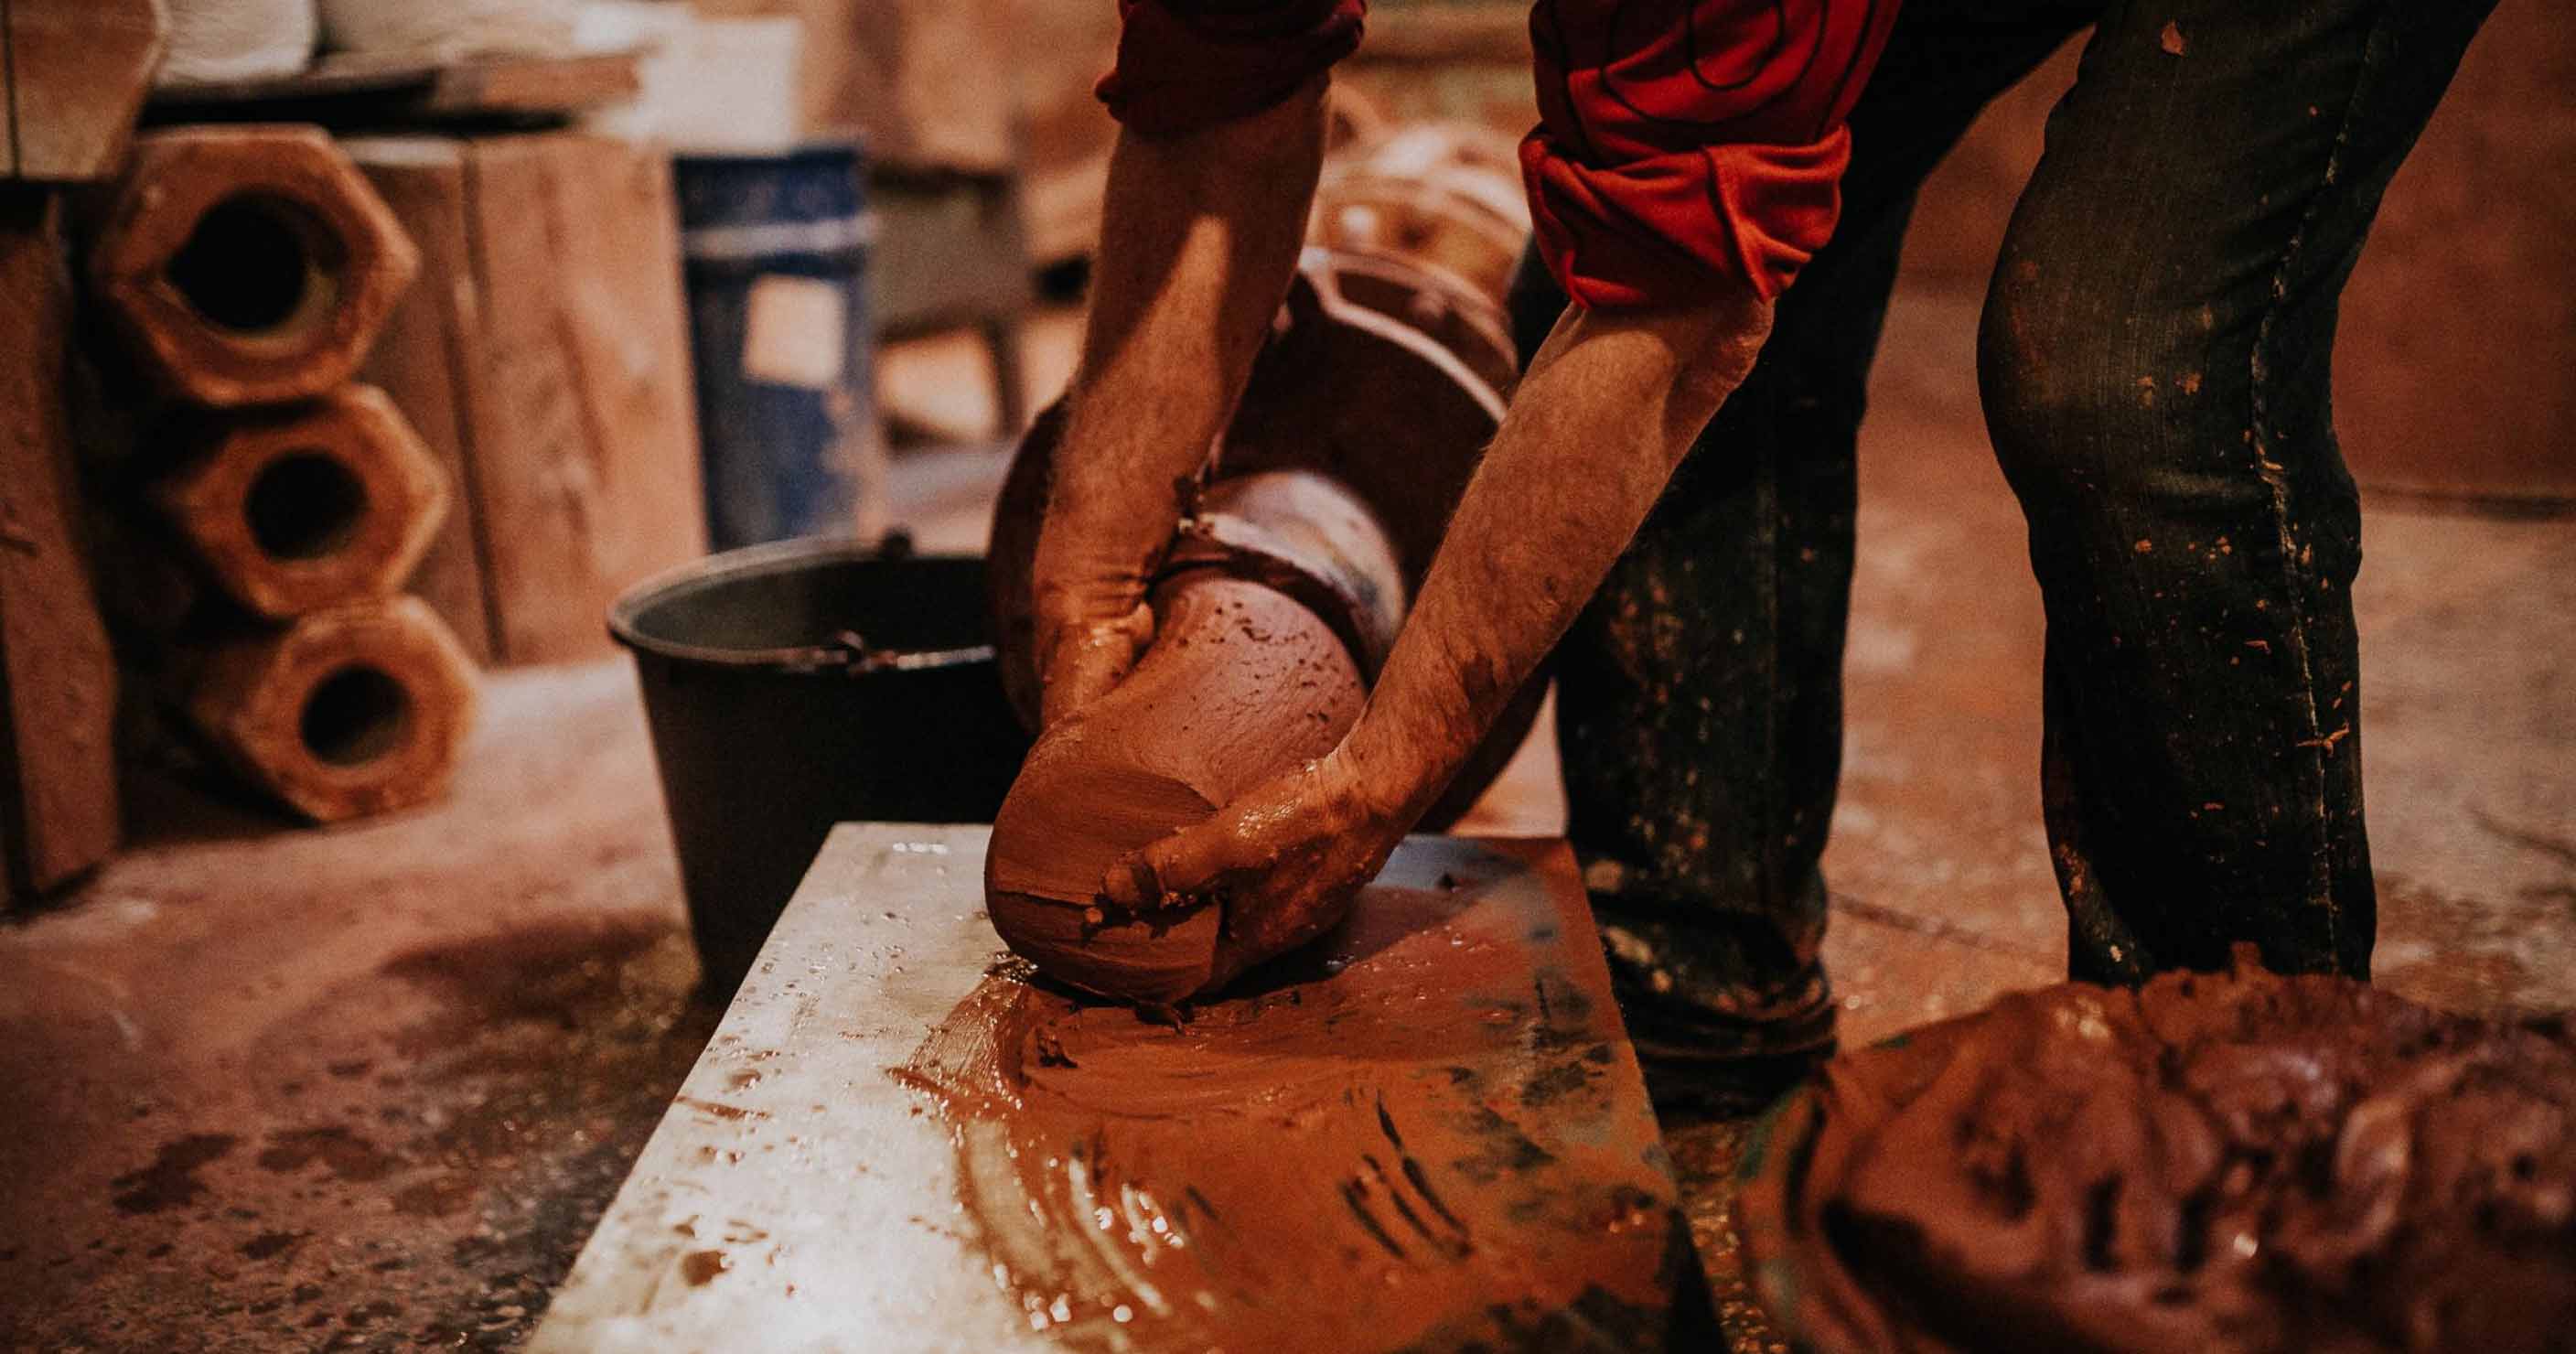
(369, 1087)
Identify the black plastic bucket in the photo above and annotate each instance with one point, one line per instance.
(793, 686)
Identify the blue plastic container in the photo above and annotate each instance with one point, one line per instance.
(776, 249)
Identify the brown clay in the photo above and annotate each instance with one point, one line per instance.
(1425, 1133)
(249, 264)
(1327, 500)
(1240, 684)
(351, 710)
(1377, 407)
(2215, 1162)
(316, 504)
(1307, 536)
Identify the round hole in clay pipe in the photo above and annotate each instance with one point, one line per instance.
(255, 264)
(304, 505)
(355, 716)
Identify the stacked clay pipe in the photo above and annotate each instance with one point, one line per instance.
(1321, 508)
(245, 272)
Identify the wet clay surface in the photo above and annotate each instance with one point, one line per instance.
(2214, 1162)
(1241, 684)
(1426, 1132)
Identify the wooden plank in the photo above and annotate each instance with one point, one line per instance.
(75, 75)
(543, 357)
(58, 802)
(562, 84)
(421, 358)
(373, 86)
(817, 1186)
(581, 424)
(8, 101)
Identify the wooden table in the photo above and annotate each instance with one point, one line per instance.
(349, 88)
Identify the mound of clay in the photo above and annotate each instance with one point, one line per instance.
(2215, 1162)
(1240, 684)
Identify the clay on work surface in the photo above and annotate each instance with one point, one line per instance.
(1425, 1132)
(1240, 684)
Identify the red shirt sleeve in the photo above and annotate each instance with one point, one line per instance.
(1688, 146)
(1187, 64)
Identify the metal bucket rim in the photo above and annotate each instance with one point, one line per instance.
(756, 561)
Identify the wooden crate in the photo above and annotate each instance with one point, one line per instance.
(58, 803)
(70, 85)
(543, 357)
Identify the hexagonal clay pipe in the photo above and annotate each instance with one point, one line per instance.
(310, 505)
(353, 710)
(248, 265)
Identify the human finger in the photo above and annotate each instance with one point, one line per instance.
(1185, 866)
(1087, 660)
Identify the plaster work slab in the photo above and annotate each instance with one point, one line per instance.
(891, 1144)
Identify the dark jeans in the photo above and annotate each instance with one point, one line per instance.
(2155, 368)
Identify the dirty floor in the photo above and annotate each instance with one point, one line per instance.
(369, 1087)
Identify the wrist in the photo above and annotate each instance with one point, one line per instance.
(1382, 788)
(1089, 564)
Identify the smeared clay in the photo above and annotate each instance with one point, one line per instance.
(1240, 684)
(2216, 1162)
(1424, 1132)
(1344, 400)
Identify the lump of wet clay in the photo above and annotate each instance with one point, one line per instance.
(1240, 684)
(2230, 1161)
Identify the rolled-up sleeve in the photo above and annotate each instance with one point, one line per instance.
(1188, 64)
(1688, 147)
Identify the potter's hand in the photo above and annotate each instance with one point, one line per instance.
(1092, 620)
(1284, 861)
(1200, 232)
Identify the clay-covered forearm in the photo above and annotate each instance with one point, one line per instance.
(1605, 413)
(1199, 238)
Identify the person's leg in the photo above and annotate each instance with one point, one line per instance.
(1699, 709)
(2155, 361)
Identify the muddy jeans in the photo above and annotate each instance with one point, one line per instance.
(2155, 369)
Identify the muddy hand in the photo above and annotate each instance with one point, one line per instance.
(1087, 583)
(1087, 646)
(1283, 861)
